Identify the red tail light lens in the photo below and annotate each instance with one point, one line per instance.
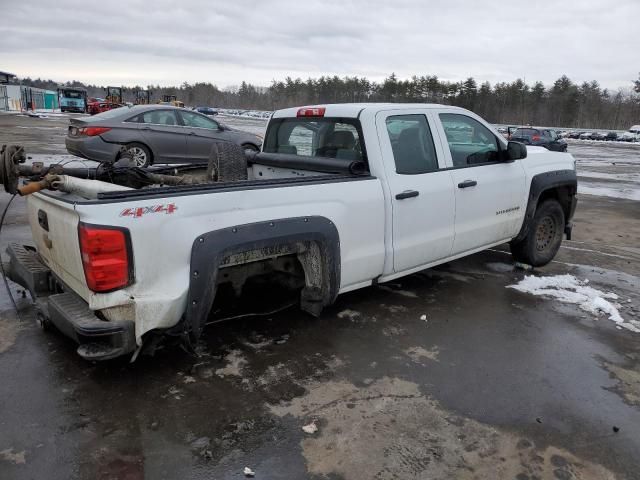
(105, 257)
(312, 112)
(535, 138)
(93, 131)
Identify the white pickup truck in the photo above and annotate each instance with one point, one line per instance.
(341, 197)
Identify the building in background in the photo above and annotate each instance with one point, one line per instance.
(17, 98)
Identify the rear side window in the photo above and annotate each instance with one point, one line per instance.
(526, 132)
(316, 137)
(412, 144)
(160, 117)
(470, 142)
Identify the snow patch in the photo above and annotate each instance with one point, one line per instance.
(569, 289)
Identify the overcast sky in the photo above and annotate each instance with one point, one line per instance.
(169, 42)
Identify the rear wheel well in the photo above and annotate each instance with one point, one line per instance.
(271, 276)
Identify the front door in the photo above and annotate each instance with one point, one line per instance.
(488, 192)
(421, 190)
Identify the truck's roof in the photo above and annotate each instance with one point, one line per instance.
(352, 110)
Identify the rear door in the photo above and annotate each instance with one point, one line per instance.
(422, 195)
(201, 133)
(161, 130)
(489, 193)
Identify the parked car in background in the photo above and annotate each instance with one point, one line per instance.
(574, 135)
(152, 134)
(540, 137)
(598, 136)
(632, 135)
(98, 107)
(585, 135)
(611, 137)
(207, 110)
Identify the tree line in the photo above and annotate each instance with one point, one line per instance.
(562, 104)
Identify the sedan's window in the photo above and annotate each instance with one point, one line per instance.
(198, 121)
(412, 144)
(134, 119)
(160, 117)
(470, 142)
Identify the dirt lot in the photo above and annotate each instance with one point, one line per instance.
(495, 383)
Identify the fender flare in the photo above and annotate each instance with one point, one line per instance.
(209, 250)
(547, 181)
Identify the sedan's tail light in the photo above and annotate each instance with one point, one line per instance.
(106, 257)
(535, 138)
(92, 131)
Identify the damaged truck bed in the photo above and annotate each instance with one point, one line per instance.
(341, 197)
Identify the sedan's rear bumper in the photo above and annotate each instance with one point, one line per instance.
(97, 339)
(92, 148)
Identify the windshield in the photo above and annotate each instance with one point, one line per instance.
(316, 137)
(72, 94)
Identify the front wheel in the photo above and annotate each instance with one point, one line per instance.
(140, 154)
(542, 242)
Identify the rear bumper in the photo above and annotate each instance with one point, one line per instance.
(92, 148)
(97, 339)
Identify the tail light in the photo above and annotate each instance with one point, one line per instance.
(312, 112)
(92, 131)
(106, 257)
(535, 138)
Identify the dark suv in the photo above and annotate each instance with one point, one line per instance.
(540, 137)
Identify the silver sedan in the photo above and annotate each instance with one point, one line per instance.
(152, 134)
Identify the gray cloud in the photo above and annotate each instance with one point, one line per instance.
(169, 42)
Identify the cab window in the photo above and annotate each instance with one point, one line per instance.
(316, 137)
(412, 144)
(470, 142)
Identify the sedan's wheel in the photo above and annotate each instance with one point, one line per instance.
(140, 154)
(544, 236)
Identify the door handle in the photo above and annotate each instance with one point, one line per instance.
(407, 194)
(467, 184)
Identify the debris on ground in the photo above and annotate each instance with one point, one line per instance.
(523, 266)
(248, 472)
(423, 318)
(310, 428)
(350, 314)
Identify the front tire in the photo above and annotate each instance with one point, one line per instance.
(542, 242)
(140, 154)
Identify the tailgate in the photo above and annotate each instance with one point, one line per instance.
(54, 226)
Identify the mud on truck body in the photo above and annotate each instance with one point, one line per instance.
(341, 197)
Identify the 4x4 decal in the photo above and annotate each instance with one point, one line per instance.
(137, 212)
